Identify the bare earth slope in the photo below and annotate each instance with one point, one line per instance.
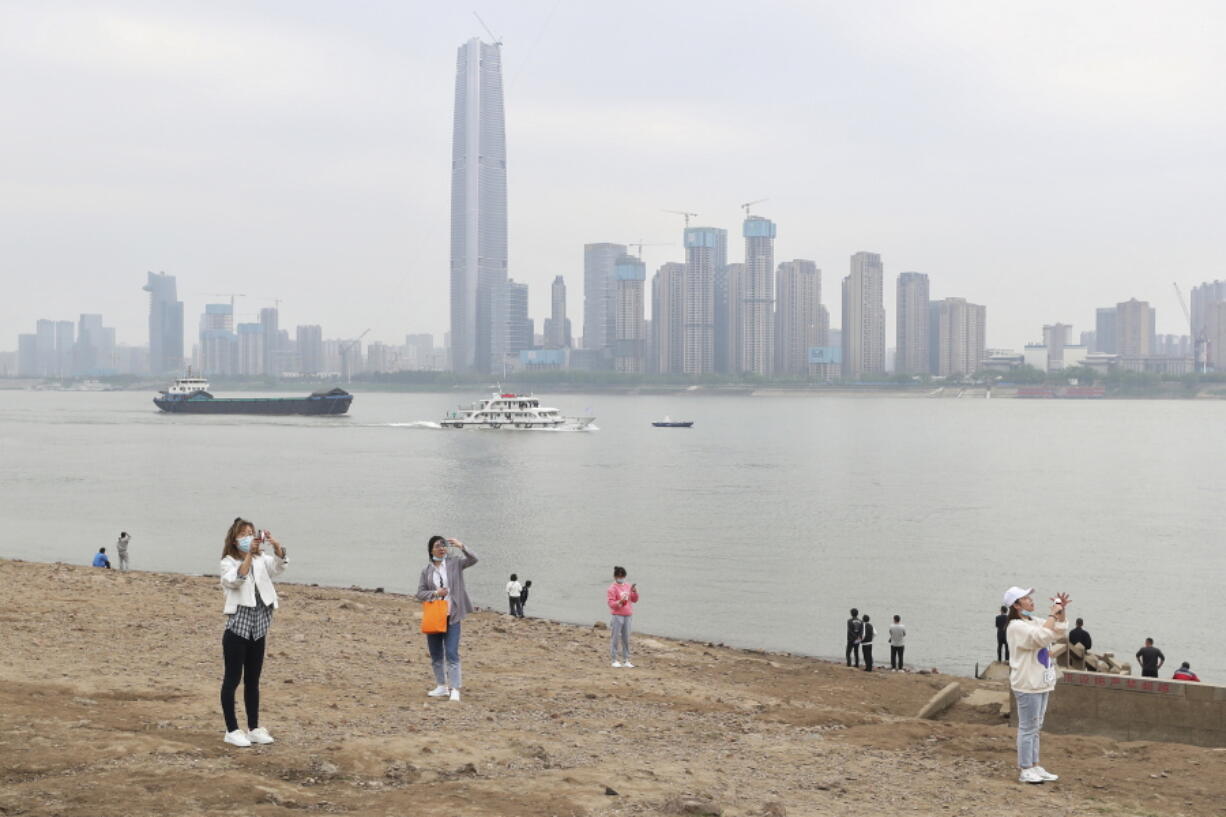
(108, 706)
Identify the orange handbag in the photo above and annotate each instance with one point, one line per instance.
(434, 616)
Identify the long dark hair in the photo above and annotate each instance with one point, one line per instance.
(1014, 613)
(231, 547)
(430, 544)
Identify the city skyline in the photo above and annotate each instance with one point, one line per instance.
(349, 228)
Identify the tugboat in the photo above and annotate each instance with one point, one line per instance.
(668, 422)
(511, 411)
(190, 395)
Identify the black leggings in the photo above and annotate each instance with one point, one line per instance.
(896, 657)
(243, 658)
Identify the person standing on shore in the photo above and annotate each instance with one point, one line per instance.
(121, 547)
(898, 637)
(1002, 622)
(866, 643)
(1151, 659)
(514, 593)
(855, 628)
(523, 595)
(443, 578)
(251, 598)
(1032, 673)
(100, 559)
(621, 601)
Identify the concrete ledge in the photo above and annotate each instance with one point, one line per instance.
(1131, 708)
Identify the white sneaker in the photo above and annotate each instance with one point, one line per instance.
(439, 691)
(237, 738)
(1029, 776)
(1043, 773)
(628, 665)
(617, 663)
(259, 735)
(455, 694)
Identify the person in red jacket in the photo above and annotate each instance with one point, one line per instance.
(621, 598)
(1185, 673)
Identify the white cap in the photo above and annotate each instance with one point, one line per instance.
(1014, 593)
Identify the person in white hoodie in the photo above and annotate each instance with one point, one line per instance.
(246, 578)
(1032, 673)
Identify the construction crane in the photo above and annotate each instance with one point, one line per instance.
(344, 353)
(687, 215)
(640, 244)
(497, 40)
(1200, 344)
(749, 204)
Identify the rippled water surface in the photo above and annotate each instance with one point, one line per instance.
(758, 527)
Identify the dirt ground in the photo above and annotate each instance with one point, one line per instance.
(108, 706)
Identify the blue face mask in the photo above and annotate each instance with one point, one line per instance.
(437, 558)
(244, 543)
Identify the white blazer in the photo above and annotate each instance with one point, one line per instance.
(240, 590)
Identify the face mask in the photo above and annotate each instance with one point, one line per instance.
(244, 543)
(621, 580)
(437, 558)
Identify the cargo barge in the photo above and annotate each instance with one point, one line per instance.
(190, 395)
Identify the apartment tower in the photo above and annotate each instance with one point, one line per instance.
(864, 318)
(911, 351)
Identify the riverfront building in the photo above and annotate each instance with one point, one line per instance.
(600, 296)
(957, 337)
(798, 315)
(478, 211)
(557, 325)
(757, 323)
(864, 318)
(1135, 323)
(668, 318)
(165, 324)
(630, 337)
(911, 355)
(703, 246)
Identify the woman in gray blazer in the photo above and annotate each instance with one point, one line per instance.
(443, 578)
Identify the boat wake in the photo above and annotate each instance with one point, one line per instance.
(417, 424)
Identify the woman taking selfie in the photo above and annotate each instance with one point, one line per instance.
(246, 577)
(1032, 672)
(443, 579)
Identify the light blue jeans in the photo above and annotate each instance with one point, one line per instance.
(1031, 707)
(619, 631)
(445, 646)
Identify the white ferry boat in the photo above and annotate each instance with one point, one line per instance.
(512, 411)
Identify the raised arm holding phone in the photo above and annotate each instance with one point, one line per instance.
(1032, 672)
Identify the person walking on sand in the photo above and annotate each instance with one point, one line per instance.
(866, 643)
(1151, 659)
(515, 592)
(250, 599)
(1032, 673)
(621, 600)
(100, 559)
(898, 637)
(1002, 645)
(443, 578)
(855, 628)
(121, 548)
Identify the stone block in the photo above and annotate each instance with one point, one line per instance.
(943, 700)
(1078, 650)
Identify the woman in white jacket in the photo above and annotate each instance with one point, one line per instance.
(246, 578)
(1032, 673)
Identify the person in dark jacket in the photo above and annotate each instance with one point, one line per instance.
(1002, 624)
(855, 628)
(523, 595)
(866, 643)
(1079, 635)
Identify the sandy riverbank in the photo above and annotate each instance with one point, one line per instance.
(108, 706)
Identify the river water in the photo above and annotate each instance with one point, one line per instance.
(759, 527)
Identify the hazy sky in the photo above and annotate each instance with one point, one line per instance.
(1040, 158)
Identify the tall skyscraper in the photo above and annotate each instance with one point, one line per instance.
(94, 352)
(557, 325)
(957, 337)
(65, 342)
(270, 321)
(911, 352)
(519, 325)
(1104, 331)
(668, 318)
(1055, 337)
(864, 317)
(1134, 326)
(218, 343)
(45, 357)
(798, 303)
(251, 357)
(1203, 297)
(600, 295)
(165, 324)
(757, 354)
(702, 251)
(478, 211)
(630, 338)
(310, 342)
